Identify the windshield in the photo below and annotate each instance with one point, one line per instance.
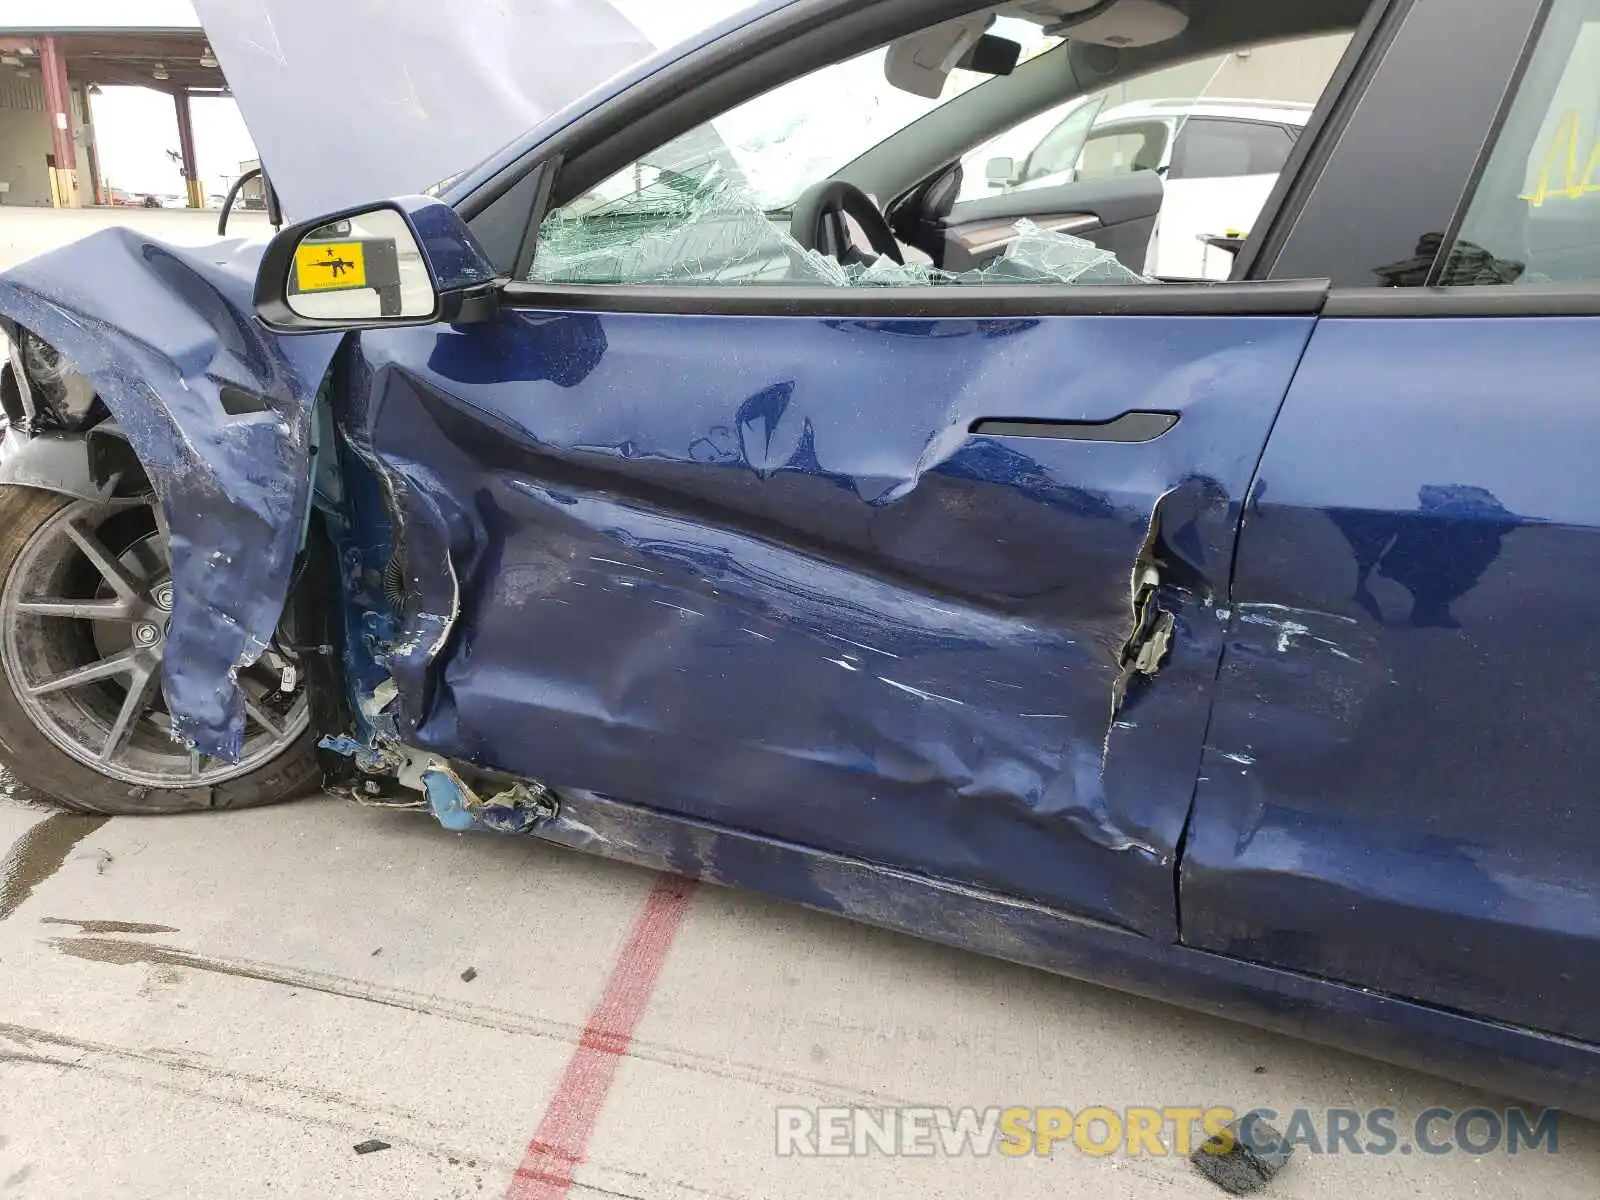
(806, 130)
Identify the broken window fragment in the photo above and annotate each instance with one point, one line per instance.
(706, 227)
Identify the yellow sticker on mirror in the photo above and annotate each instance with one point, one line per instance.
(320, 266)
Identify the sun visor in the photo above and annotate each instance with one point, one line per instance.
(920, 63)
(1130, 23)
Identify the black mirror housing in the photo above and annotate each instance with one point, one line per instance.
(409, 261)
(992, 55)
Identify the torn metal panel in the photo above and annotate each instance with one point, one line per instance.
(759, 572)
(1150, 636)
(219, 414)
(515, 808)
(371, 759)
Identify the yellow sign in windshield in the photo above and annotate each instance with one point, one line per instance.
(1561, 153)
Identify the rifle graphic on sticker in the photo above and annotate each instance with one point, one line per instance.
(323, 266)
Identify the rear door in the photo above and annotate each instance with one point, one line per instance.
(922, 576)
(1398, 787)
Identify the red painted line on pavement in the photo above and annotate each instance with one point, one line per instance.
(561, 1143)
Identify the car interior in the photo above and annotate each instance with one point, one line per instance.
(1552, 237)
(710, 206)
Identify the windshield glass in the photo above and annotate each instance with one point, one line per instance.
(806, 130)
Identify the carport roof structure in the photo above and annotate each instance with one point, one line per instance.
(175, 60)
(167, 60)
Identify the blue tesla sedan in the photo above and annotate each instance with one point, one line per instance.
(710, 480)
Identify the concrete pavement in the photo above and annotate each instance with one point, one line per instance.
(227, 1004)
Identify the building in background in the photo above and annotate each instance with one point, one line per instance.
(31, 170)
(254, 193)
(54, 53)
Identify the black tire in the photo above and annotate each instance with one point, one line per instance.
(37, 762)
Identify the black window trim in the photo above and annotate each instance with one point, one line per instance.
(1320, 136)
(1490, 140)
(1479, 300)
(1250, 292)
(1298, 297)
(1487, 300)
(598, 137)
(1338, 168)
(547, 171)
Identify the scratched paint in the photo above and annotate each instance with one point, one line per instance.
(801, 597)
(219, 412)
(1437, 1040)
(1412, 672)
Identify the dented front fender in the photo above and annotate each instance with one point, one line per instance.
(218, 411)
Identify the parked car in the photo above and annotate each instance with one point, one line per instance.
(1230, 642)
(1220, 159)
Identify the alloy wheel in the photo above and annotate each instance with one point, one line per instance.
(87, 610)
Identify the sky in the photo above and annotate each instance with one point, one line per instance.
(135, 127)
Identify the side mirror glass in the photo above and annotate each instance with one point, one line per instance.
(1001, 172)
(361, 268)
(407, 261)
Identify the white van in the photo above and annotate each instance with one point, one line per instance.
(1219, 158)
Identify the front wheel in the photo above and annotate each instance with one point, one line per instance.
(85, 605)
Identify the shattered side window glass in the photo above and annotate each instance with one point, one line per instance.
(696, 226)
(708, 229)
(713, 206)
(1034, 256)
(1038, 255)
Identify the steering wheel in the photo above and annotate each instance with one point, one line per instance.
(818, 221)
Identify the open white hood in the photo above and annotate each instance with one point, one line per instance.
(356, 100)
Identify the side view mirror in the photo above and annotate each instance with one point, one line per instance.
(411, 261)
(1001, 172)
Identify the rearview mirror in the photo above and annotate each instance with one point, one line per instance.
(407, 262)
(1001, 172)
(992, 55)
